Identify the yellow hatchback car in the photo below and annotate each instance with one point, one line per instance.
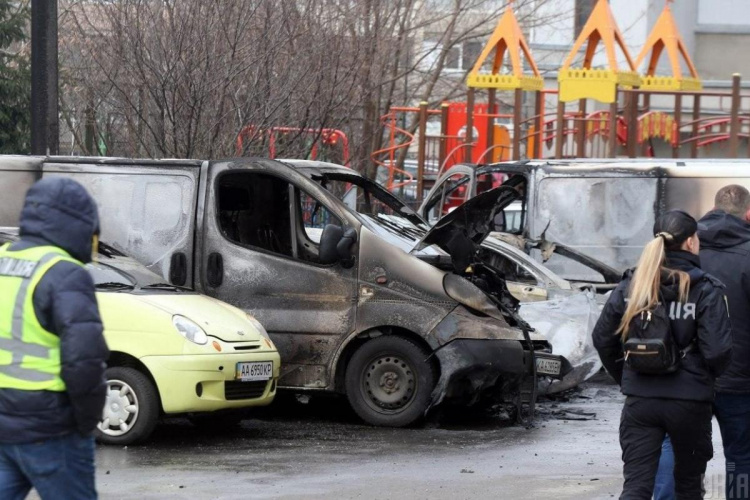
(173, 352)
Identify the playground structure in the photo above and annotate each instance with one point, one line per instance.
(627, 125)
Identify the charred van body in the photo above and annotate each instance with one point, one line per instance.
(397, 329)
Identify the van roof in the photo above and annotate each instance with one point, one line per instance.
(647, 167)
(102, 160)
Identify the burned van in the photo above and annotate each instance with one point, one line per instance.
(602, 208)
(346, 299)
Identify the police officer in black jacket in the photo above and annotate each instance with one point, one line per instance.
(53, 353)
(678, 403)
(725, 253)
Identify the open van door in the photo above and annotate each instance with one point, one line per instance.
(276, 245)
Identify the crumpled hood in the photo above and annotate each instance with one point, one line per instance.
(61, 212)
(722, 230)
(461, 231)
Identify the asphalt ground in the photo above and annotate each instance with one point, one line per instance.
(321, 450)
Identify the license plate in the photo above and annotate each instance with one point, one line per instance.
(546, 366)
(248, 372)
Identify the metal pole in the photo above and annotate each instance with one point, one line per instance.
(421, 151)
(491, 110)
(678, 122)
(632, 121)
(560, 129)
(539, 123)
(734, 124)
(443, 133)
(581, 125)
(612, 138)
(517, 112)
(646, 109)
(469, 137)
(45, 129)
(696, 117)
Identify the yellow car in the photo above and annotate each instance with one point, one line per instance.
(173, 351)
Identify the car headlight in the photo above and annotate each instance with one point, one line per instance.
(258, 326)
(190, 330)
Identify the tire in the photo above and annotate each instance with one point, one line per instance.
(219, 421)
(137, 408)
(405, 380)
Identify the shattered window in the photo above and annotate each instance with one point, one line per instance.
(452, 193)
(369, 199)
(254, 211)
(315, 216)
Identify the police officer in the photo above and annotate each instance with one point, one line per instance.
(52, 352)
(677, 403)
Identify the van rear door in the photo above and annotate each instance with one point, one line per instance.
(146, 210)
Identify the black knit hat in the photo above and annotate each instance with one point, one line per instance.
(675, 227)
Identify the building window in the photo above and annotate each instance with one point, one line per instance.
(582, 14)
(460, 57)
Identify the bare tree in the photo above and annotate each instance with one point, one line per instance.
(181, 78)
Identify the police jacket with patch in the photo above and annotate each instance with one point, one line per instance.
(725, 253)
(702, 320)
(60, 213)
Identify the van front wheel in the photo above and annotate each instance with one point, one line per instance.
(389, 381)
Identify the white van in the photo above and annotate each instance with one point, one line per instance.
(603, 208)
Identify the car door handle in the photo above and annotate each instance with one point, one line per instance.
(215, 269)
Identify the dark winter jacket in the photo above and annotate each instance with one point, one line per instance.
(703, 319)
(59, 212)
(725, 253)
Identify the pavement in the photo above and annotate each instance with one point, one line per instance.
(321, 450)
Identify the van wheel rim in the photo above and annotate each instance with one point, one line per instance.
(120, 410)
(389, 384)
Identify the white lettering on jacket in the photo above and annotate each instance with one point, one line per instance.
(678, 310)
(17, 268)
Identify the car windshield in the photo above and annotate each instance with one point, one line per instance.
(383, 213)
(106, 276)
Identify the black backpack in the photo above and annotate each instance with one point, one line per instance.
(650, 347)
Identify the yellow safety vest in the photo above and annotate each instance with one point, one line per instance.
(29, 354)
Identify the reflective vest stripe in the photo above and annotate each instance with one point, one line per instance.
(15, 344)
(30, 353)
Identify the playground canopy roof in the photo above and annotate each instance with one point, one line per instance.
(599, 84)
(666, 35)
(507, 37)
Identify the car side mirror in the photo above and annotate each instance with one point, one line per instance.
(336, 245)
(344, 247)
(329, 240)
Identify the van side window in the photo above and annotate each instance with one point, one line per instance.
(254, 210)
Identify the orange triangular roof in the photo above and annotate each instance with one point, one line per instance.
(600, 27)
(666, 35)
(507, 37)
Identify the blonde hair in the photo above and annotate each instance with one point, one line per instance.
(643, 293)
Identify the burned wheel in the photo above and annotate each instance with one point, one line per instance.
(389, 381)
(131, 409)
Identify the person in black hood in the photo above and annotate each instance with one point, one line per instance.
(52, 351)
(676, 403)
(726, 254)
